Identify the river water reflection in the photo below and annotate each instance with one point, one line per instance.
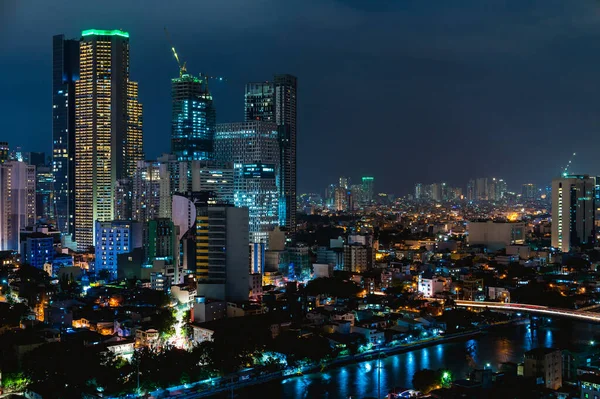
(360, 380)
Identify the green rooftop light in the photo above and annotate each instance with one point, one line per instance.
(367, 178)
(100, 32)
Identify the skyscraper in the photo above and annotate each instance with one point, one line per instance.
(259, 102)
(277, 101)
(65, 71)
(573, 211)
(253, 148)
(17, 202)
(108, 140)
(368, 183)
(193, 118)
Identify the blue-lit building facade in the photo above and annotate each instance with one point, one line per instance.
(253, 148)
(276, 102)
(37, 249)
(65, 72)
(115, 238)
(193, 118)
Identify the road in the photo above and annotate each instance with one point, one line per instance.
(535, 309)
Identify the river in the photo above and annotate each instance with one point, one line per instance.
(506, 344)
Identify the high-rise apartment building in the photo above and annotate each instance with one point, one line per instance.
(65, 71)
(17, 202)
(573, 211)
(253, 149)
(277, 101)
(193, 118)
(108, 123)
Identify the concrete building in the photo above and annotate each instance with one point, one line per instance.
(37, 249)
(431, 286)
(545, 363)
(573, 211)
(115, 238)
(356, 258)
(495, 235)
(215, 245)
(17, 202)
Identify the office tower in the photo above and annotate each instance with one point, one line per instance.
(344, 182)
(496, 189)
(277, 101)
(341, 199)
(17, 202)
(358, 194)
(107, 128)
(193, 118)
(44, 193)
(65, 71)
(160, 240)
(214, 177)
(481, 189)
(573, 211)
(529, 191)
(4, 151)
(259, 102)
(114, 238)
(34, 158)
(253, 148)
(191, 176)
(258, 192)
(471, 190)
(214, 245)
(145, 194)
(436, 192)
(123, 199)
(368, 189)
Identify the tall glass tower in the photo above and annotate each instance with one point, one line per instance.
(65, 71)
(276, 102)
(193, 118)
(108, 128)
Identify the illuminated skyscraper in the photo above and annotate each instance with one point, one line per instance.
(367, 188)
(193, 118)
(65, 71)
(253, 148)
(573, 211)
(276, 101)
(108, 135)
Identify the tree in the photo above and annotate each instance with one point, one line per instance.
(164, 321)
(427, 380)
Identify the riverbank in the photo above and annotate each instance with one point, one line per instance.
(225, 384)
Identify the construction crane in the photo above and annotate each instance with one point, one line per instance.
(565, 170)
(182, 68)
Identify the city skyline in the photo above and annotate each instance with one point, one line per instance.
(489, 87)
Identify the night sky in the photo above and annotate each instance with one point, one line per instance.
(404, 90)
